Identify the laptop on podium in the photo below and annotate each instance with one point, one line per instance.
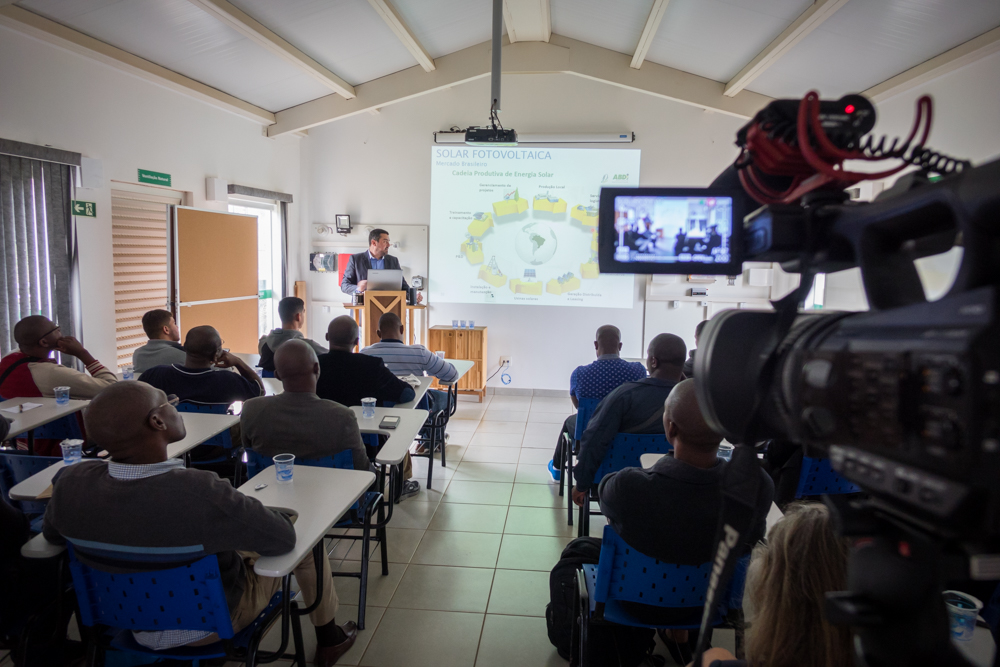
(385, 280)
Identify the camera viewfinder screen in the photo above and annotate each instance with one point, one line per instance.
(668, 230)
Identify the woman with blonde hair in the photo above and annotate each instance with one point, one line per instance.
(786, 586)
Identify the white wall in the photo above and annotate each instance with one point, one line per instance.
(966, 125)
(377, 169)
(52, 97)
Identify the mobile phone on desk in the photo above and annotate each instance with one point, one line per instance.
(389, 422)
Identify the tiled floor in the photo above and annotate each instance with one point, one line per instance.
(470, 559)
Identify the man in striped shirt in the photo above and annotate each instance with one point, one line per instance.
(404, 359)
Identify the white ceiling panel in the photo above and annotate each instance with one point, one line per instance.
(614, 25)
(869, 41)
(446, 26)
(183, 38)
(717, 38)
(345, 36)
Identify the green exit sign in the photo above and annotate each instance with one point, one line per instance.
(86, 209)
(154, 177)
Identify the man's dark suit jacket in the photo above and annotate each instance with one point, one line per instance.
(346, 377)
(357, 270)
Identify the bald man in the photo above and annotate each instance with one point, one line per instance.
(634, 407)
(140, 498)
(670, 511)
(196, 380)
(297, 421)
(347, 377)
(595, 381)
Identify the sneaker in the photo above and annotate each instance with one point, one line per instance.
(555, 472)
(410, 488)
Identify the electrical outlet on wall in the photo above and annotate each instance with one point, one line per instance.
(504, 361)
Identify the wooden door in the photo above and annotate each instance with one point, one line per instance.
(215, 275)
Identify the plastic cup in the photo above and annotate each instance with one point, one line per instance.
(472, 324)
(283, 468)
(962, 612)
(440, 353)
(62, 395)
(726, 452)
(462, 322)
(454, 324)
(128, 373)
(72, 451)
(368, 408)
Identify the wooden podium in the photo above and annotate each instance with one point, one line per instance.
(377, 304)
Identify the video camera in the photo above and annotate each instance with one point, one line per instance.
(903, 399)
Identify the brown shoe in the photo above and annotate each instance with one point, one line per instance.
(326, 656)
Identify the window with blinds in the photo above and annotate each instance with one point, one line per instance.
(139, 237)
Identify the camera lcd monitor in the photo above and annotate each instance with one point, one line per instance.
(670, 230)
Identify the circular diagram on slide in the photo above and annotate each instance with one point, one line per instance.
(536, 243)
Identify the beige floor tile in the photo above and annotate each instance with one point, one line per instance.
(458, 549)
(519, 593)
(535, 456)
(475, 399)
(463, 424)
(415, 638)
(530, 473)
(373, 616)
(539, 442)
(380, 587)
(546, 404)
(469, 518)
(500, 414)
(543, 417)
(511, 402)
(478, 493)
(546, 429)
(486, 454)
(538, 521)
(485, 472)
(537, 495)
(420, 465)
(401, 543)
(443, 588)
(489, 426)
(532, 646)
(496, 439)
(460, 438)
(414, 515)
(530, 552)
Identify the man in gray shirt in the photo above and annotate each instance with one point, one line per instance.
(292, 311)
(163, 347)
(140, 498)
(298, 421)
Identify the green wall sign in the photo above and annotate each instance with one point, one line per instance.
(86, 209)
(154, 177)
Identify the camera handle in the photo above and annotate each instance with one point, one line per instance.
(894, 578)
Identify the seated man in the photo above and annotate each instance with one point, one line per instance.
(404, 359)
(31, 372)
(140, 498)
(346, 377)
(595, 381)
(634, 407)
(298, 421)
(163, 347)
(689, 364)
(292, 311)
(196, 380)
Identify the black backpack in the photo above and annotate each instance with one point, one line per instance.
(611, 645)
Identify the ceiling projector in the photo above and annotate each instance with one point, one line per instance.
(490, 136)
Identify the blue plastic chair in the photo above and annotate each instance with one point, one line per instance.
(624, 452)
(818, 477)
(187, 594)
(358, 517)
(266, 373)
(625, 575)
(584, 410)
(14, 469)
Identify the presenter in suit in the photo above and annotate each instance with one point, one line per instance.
(376, 257)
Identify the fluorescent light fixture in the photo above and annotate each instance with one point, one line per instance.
(569, 138)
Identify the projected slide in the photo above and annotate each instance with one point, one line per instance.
(518, 225)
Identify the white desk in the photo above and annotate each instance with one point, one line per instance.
(425, 382)
(400, 438)
(463, 366)
(319, 496)
(272, 386)
(251, 359)
(50, 411)
(200, 427)
(647, 460)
